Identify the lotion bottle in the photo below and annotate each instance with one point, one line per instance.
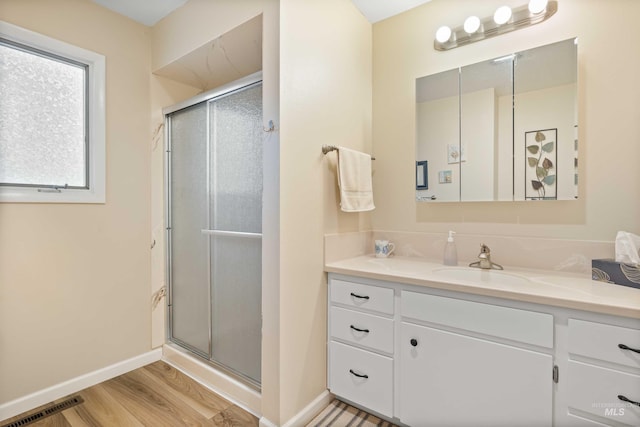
(450, 251)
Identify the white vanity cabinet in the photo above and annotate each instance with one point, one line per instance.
(425, 356)
(457, 377)
(361, 344)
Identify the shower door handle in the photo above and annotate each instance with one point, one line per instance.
(232, 234)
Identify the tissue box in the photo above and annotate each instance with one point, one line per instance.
(608, 270)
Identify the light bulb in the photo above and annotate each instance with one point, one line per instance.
(502, 15)
(471, 24)
(537, 6)
(443, 34)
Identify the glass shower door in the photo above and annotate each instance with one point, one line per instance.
(236, 234)
(215, 230)
(187, 210)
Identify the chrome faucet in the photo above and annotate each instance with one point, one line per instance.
(484, 259)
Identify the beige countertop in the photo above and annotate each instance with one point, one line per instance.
(558, 289)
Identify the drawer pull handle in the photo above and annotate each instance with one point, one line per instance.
(359, 296)
(624, 399)
(624, 347)
(351, 371)
(366, 331)
(414, 342)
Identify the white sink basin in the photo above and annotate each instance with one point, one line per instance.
(482, 276)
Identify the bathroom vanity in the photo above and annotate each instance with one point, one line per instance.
(422, 344)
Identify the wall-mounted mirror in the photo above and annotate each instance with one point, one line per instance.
(503, 129)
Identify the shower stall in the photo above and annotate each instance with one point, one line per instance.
(213, 217)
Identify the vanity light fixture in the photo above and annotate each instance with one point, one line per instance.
(537, 6)
(443, 34)
(503, 21)
(502, 15)
(471, 24)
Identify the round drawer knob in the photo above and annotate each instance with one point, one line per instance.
(414, 342)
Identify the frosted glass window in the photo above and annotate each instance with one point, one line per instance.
(43, 119)
(52, 120)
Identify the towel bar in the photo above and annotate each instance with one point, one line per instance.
(328, 148)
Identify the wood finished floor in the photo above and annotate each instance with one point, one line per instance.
(156, 395)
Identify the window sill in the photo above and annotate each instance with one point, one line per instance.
(32, 195)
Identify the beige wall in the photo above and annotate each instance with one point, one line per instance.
(74, 278)
(196, 23)
(608, 119)
(325, 98)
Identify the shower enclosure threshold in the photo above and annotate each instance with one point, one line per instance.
(228, 385)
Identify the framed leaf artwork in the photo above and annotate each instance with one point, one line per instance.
(541, 152)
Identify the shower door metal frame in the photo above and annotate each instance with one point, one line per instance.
(217, 93)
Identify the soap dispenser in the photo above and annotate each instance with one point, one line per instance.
(450, 251)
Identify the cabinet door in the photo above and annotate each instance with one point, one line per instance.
(448, 379)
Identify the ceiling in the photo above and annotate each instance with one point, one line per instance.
(149, 12)
(377, 10)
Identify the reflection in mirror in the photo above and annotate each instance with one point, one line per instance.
(546, 123)
(438, 132)
(485, 107)
(503, 129)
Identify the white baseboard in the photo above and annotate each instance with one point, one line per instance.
(265, 423)
(307, 413)
(74, 385)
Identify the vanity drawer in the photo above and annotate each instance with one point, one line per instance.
(514, 324)
(375, 332)
(595, 390)
(358, 295)
(373, 388)
(601, 341)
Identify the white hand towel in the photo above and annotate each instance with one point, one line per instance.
(354, 179)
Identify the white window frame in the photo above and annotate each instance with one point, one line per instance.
(96, 109)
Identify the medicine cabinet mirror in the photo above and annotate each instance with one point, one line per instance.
(501, 130)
